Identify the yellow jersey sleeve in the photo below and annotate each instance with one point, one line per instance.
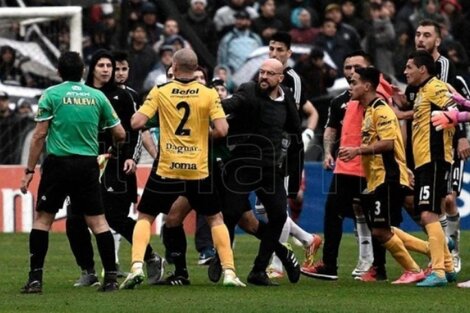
(385, 121)
(150, 106)
(439, 94)
(216, 110)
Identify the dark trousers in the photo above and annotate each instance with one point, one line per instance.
(268, 184)
(344, 189)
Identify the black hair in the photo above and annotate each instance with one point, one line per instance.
(360, 53)
(316, 53)
(99, 54)
(283, 37)
(424, 58)
(369, 74)
(71, 66)
(120, 55)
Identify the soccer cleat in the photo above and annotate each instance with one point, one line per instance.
(32, 286)
(373, 275)
(214, 271)
(155, 269)
(260, 279)
(312, 249)
(433, 280)
(291, 265)
(274, 273)
(320, 271)
(87, 279)
(451, 277)
(231, 279)
(361, 268)
(465, 284)
(174, 280)
(109, 286)
(457, 261)
(136, 277)
(206, 255)
(409, 277)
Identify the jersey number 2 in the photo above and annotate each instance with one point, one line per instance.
(180, 130)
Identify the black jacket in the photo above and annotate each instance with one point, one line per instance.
(244, 111)
(123, 104)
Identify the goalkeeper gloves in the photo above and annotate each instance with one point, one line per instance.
(307, 136)
(444, 119)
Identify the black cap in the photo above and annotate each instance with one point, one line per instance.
(148, 7)
(4, 95)
(241, 14)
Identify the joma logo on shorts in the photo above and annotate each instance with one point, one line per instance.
(177, 91)
(183, 166)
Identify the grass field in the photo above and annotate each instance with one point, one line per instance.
(309, 295)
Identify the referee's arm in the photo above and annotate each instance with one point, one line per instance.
(138, 120)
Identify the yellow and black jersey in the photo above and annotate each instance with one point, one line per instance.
(185, 110)
(428, 144)
(381, 123)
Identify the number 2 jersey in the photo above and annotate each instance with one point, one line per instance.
(185, 109)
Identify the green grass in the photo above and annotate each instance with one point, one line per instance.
(309, 295)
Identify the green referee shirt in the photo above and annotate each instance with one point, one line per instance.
(76, 113)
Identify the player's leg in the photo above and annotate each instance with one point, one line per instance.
(79, 238)
(430, 192)
(53, 189)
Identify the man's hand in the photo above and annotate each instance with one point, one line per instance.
(307, 137)
(463, 148)
(129, 167)
(346, 154)
(27, 178)
(444, 119)
(328, 162)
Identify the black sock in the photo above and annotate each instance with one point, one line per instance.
(105, 243)
(260, 231)
(38, 245)
(379, 255)
(175, 243)
(80, 242)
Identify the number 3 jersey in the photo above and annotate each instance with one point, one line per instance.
(381, 123)
(185, 109)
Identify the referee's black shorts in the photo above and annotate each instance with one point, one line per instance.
(75, 176)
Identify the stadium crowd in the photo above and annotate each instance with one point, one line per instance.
(382, 139)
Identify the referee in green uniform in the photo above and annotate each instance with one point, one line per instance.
(68, 119)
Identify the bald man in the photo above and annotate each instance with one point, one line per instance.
(181, 181)
(264, 129)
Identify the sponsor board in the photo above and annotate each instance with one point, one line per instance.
(17, 209)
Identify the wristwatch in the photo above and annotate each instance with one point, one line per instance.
(28, 171)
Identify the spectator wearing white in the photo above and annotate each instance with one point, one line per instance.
(224, 17)
(236, 46)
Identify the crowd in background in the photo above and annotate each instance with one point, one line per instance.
(225, 32)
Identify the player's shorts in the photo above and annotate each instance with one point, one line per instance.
(383, 205)
(160, 193)
(456, 176)
(74, 176)
(345, 190)
(431, 186)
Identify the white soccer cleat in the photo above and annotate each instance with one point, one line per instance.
(231, 279)
(362, 267)
(136, 277)
(465, 284)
